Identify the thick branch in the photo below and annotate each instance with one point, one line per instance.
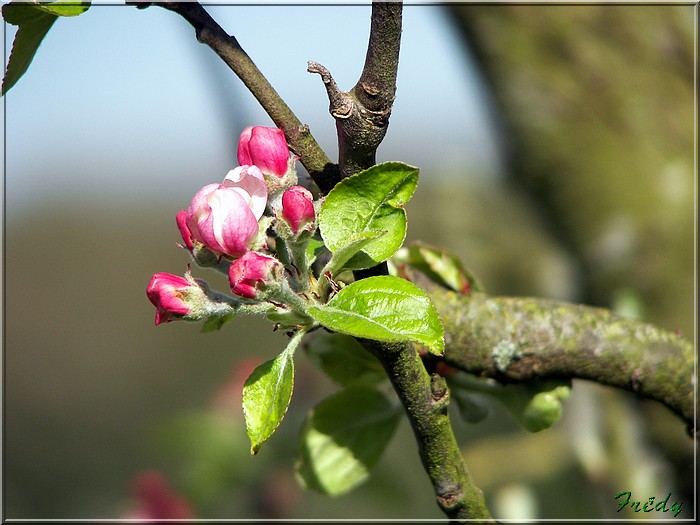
(301, 142)
(521, 339)
(362, 117)
(362, 114)
(425, 399)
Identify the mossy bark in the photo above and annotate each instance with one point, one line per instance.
(522, 339)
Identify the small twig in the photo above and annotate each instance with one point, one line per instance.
(362, 114)
(341, 104)
(324, 173)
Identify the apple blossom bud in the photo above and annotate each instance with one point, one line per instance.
(181, 219)
(298, 208)
(224, 217)
(252, 272)
(265, 148)
(174, 297)
(154, 499)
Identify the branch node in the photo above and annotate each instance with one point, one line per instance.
(341, 103)
(439, 392)
(449, 500)
(370, 89)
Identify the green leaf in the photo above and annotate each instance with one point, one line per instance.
(536, 405)
(215, 322)
(343, 359)
(371, 200)
(288, 318)
(313, 249)
(351, 247)
(342, 438)
(267, 393)
(440, 265)
(383, 308)
(32, 30)
(34, 21)
(471, 408)
(210, 450)
(65, 8)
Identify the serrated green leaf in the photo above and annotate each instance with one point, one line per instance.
(342, 438)
(352, 246)
(267, 393)
(34, 21)
(383, 308)
(33, 28)
(371, 200)
(343, 359)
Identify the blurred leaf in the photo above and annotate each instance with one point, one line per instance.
(343, 359)
(535, 405)
(439, 265)
(34, 21)
(383, 308)
(342, 438)
(371, 200)
(544, 409)
(210, 450)
(267, 393)
(471, 408)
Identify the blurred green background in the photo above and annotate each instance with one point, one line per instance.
(556, 156)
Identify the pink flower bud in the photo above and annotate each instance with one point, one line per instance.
(169, 293)
(181, 219)
(252, 271)
(224, 217)
(265, 148)
(298, 208)
(154, 499)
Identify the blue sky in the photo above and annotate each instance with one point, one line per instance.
(121, 102)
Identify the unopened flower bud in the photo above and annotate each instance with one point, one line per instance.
(156, 500)
(252, 272)
(174, 297)
(298, 208)
(265, 148)
(224, 217)
(181, 219)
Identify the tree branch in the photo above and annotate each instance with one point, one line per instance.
(425, 399)
(362, 118)
(301, 142)
(522, 339)
(362, 114)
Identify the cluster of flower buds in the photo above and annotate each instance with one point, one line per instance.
(245, 226)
